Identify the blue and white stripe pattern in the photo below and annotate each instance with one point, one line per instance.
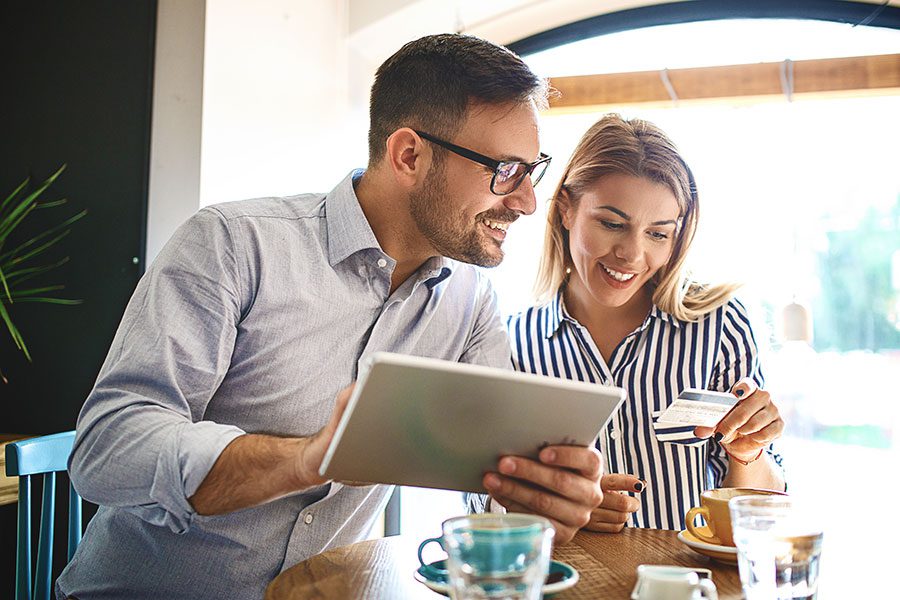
(653, 363)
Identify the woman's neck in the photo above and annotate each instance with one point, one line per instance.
(608, 325)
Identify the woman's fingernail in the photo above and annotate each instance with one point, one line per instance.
(491, 481)
(739, 393)
(639, 486)
(719, 437)
(549, 455)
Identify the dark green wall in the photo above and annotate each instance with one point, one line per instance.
(76, 79)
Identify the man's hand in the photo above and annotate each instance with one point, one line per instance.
(564, 486)
(613, 512)
(254, 469)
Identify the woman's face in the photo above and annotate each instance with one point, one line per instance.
(621, 232)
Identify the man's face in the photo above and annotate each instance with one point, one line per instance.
(455, 209)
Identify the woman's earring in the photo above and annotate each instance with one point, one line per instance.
(568, 270)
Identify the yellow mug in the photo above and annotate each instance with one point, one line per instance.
(714, 510)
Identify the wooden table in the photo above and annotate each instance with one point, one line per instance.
(384, 568)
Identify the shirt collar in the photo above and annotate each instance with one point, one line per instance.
(436, 270)
(558, 314)
(658, 313)
(348, 230)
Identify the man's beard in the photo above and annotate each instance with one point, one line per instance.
(453, 235)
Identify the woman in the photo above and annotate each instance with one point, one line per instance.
(620, 310)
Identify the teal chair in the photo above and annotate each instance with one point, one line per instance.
(25, 459)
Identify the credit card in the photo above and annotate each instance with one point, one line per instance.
(699, 408)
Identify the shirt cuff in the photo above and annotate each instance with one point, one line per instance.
(183, 463)
(494, 507)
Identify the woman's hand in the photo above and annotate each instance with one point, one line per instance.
(613, 512)
(751, 425)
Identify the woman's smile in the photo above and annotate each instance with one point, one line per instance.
(619, 280)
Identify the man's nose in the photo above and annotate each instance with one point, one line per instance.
(523, 200)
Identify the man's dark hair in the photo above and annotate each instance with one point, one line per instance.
(430, 82)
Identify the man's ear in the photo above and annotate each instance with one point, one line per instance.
(408, 157)
(565, 208)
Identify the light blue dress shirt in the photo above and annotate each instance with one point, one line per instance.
(252, 318)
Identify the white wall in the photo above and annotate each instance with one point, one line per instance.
(270, 97)
(277, 117)
(174, 187)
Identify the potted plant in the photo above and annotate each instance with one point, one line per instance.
(22, 263)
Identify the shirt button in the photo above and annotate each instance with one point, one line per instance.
(308, 518)
(614, 435)
(382, 263)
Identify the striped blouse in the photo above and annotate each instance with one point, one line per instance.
(653, 363)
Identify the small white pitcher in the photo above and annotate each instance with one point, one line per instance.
(663, 584)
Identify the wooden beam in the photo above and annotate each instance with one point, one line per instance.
(863, 74)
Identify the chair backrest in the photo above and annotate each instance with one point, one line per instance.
(26, 459)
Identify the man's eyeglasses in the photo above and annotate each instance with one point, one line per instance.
(508, 174)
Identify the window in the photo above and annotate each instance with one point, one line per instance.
(801, 202)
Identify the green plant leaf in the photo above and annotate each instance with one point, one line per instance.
(12, 221)
(5, 285)
(15, 193)
(35, 251)
(21, 275)
(38, 290)
(51, 301)
(51, 203)
(13, 268)
(16, 336)
(6, 255)
(6, 220)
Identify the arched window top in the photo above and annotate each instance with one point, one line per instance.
(711, 43)
(852, 14)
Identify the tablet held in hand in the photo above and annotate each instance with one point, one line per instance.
(440, 424)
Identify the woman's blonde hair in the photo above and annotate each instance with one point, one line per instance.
(641, 149)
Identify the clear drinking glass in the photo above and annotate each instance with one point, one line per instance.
(497, 556)
(778, 548)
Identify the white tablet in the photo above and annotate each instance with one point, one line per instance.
(433, 423)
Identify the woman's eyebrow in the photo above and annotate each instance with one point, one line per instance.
(615, 210)
(625, 216)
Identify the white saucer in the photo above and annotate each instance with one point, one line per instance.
(568, 571)
(726, 554)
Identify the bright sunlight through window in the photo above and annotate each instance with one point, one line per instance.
(800, 201)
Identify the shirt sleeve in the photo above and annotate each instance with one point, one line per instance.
(488, 343)
(141, 443)
(738, 358)
(475, 503)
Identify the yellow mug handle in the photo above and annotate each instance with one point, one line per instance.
(692, 514)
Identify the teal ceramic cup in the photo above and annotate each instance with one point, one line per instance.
(493, 555)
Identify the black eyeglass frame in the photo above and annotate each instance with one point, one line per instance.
(491, 163)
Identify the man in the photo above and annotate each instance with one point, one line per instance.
(203, 435)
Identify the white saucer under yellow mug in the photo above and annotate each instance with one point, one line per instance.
(725, 554)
